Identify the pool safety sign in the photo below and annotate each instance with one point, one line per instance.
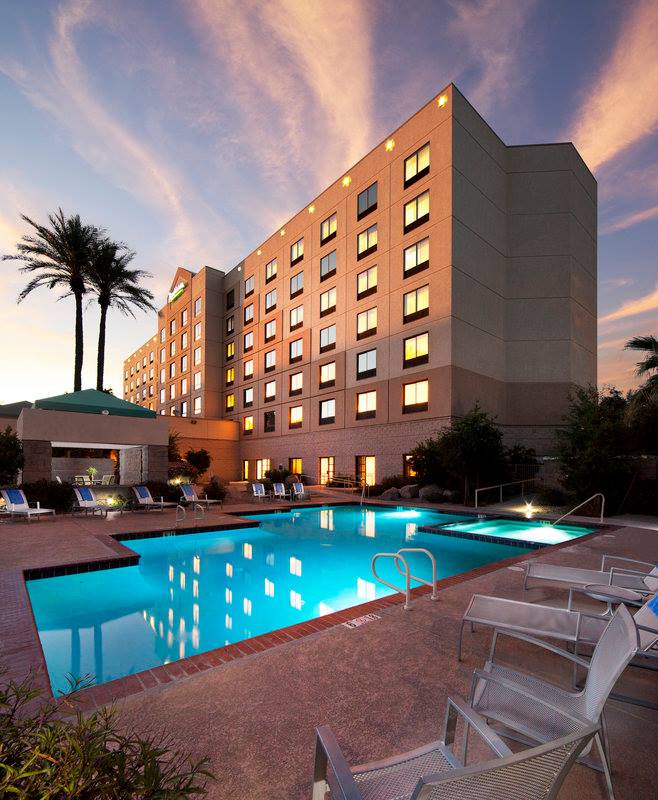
(358, 621)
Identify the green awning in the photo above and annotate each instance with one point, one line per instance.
(91, 401)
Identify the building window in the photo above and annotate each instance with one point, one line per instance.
(270, 301)
(327, 375)
(248, 342)
(417, 165)
(270, 360)
(163, 375)
(366, 283)
(183, 386)
(172, 327)
(230, 325)
(172, 349)
(230, 350)
(229, 403)
(248, 369)
(296, 252)
(269, 421)
(416, 304)
(328, 265)
(163, 335)
(197, 380)
(366, 242)
(328, 302)
(365, 470)
(271, 270)
(366, 364)
(416, 211)
(183, 408)
(248, 397)
(230, 299)
(295, 417)
(416, 350)
(270, 330)
(163, 357)
(249, 286)
(197, 331)
(163, 396)
(151, 357)
(326, 469)
(416, 257)
(328, 229)
(366, 202)
(296, 384)
(296, 284)
(366, 323)
(415, 397)
(327, 411)
(183, 340)
(248, 425)
(407, 469)
(197, 306)
(327, 338)
(172, 391)
(183, 317)
(197, 405)
(173, 411)
(249, 313)
(230, 376)
(197, 356)
(172, 369)
(296, 350)
(296, 317)
(366, 405)
(183, 364)
(270, 391)
(295, 466)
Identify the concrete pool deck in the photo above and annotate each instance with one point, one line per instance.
(381, 687)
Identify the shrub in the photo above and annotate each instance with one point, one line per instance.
(182, 472)
(50, 494)
(215, 490)
(44, 754)
(11, 456)
(394, 481)
(278, 475)
(170, 492)
(199, 460)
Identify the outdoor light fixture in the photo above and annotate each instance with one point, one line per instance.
(390, 144)
(258, 252)
(443, 100)
(529, 510)
(282, 231)
(346, 181)
(311, 209)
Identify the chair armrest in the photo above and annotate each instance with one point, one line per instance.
(538, 643)
(612, 557)
(460, 708)
(328, 752)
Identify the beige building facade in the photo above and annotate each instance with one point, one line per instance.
(444, 269)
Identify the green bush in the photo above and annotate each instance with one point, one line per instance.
(50, 494)
(11, 456)
(45, 754)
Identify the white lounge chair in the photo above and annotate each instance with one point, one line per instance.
(17, 505)
(643, 578)
(259, 491)
(87, 500)
(532, 710)
(80, 480)
(108, 480)
(189, 495)
(298, 492)
(437, 772)
(145, 500)
(279, 491)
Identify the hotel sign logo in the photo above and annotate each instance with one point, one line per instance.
(176, 292)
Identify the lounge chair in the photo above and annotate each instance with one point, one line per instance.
(643, 578)
(17, 505)
(279, 491)
(436, 771)
(107, 480)
(259, 491)
(81, 480)
(532, 710)
(87, 500)
(145, 500)
(190, 496)
(298, 492)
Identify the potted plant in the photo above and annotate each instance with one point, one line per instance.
(91, 472)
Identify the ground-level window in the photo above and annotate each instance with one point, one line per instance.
(245, 470)
(366, 469)
(197, 405)
(263, 465)
(407, 470)
(295, 466)
(326, 469)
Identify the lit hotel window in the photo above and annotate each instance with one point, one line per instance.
(270, 391)
(295, 417)
(197, 356)
(417, 165)
(366, 364)
(416, 350)
(296, 252)
(248, 425)
(416, 257)
(230, 325)
(327, 338)
(416, 304)
(270, 330)
(183, 386)
(328, 229)
(230, 402)
(416, 211)
(295, 466)
(172, 369)
(197, 380)
(366, 323)
(248, 397)
(296, 317)
(230, 350)
(248, 313)
(270, 270)
(197, 405)
(366, 283)
(183, 408)
(296, 350)
(248, 341)
(270, 360)
(270, 301)
(163, 396)
(249, 286)
(327, 411)
(172, 391)
(328, 375)
(366, 242)
(197, 331)
(183, 340)
(296, 383)
(172, 349)
(366, 201)
(230, 376)
(249, 368)
(415, 397)
(366, 405)
(328, 302)
(296, 284)
(328, 265)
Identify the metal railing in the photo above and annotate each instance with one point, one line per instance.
(500, 486)
(584, 503)
(197, 508)
(398, 557)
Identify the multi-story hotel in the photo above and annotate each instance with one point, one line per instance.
(444, 268)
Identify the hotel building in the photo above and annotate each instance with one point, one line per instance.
(444, 268)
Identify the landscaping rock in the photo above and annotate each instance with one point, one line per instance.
(410, 491)
(431, 494)
(390, 494)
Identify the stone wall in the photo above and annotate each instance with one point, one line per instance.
(38, 457)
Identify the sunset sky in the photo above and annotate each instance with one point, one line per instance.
(192, 129)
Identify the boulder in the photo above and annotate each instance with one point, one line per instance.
(410, 491)
(390, 494)
(431, 493)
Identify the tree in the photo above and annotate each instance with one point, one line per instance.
(646, 396)
(115, 286)
(11, 456)
(58, 255)
(173, 453)
(199, 460)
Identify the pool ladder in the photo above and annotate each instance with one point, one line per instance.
(181, 512)
(399, 558)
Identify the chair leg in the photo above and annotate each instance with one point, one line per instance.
(459, 643)
(604, 764)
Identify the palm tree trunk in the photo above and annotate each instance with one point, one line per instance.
(100, 367)
(77, 370)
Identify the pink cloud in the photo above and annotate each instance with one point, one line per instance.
(629, 220)
(632, 308)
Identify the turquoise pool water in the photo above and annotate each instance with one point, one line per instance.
(521, 530)
(196, 592)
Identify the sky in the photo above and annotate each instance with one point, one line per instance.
(191, 129)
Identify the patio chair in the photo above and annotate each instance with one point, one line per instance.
(80, 480)
(17, 505)
(108, 480)
(87, 501)
(279, 491)
(437, 772)
(298, 492)
(258, 490)
(532, 710)
(145, 500)
(189, 495)
(643, 578)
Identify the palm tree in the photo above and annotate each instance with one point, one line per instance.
(115, 286)
(648, 392)
(59, 254)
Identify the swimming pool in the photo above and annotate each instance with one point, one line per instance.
(530, 533)
(196, 592)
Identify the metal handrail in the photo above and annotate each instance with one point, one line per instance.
(500, 486)
(397, 557)
(580, 505)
